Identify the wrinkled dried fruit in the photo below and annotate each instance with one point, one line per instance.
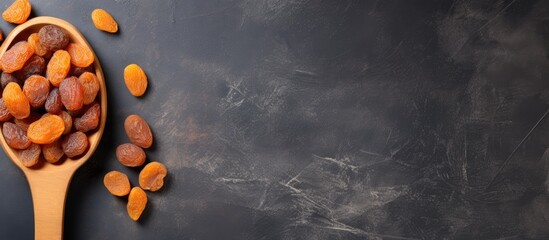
(104, 21)
(135, 79)
(26, 122)
(78, 71)
(72, 94)
(137, 201)
(36, 65)
(30, 156)
(89, 120)
(67, 119)
(5, 114)
(46, 130)
(152, 176)
(138, 131)
(14, 136)
(117, 183)
(39, 50)
(52, 152)
(81, 56)
(90, 85)
(16, 57)
(6, 78)
(53, 102)
(36, 89)
(53, 38)
(18, 12)
(58, 67)
(16, 101)
(130, 155)
(75, 144)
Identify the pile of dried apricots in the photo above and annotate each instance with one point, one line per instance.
(49, 103)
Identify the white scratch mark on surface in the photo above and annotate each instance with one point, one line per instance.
(338, 162)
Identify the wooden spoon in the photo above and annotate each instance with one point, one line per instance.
(49, 182)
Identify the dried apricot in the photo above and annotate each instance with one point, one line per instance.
(5, 114)
(6, 78)
(138, 131)
(53, 38)
(117, 183)
(78, 71)
(14, 136)
(46, 130)
(16, 101)
(137, 201)
(104, 21)
(152, 176)
(53, 102)
(16, 57)
(36, 89)
(26, 122)
(58, 67)
(89, 120)
(91, 86)
(135, 79)
(72, 94)
(18, 12)
(130, 155)
(75, 144)
(67, 119)
(39, 50)
(36, 65)
(81, 56)
(30, 156)
(52, 152)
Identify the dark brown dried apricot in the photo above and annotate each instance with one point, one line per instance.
(58, 67)
(18, 12)
(26, 122)
(81, 56)
(36, 89)
(53, 103)
(46, 130)
(90, 85)
(52, 152)
(6, 78)
(89, 120)
(130, 155)
(36, 65)
(5, 114)
(78, 71)
(117, 183)
(30, 156)
(152, 176)
(75, 144)
(53, 38)
(138, 131)
(15, 136)
(72, 94)
(137, 201)
(16, 57)
(67, 119)
(16, 101)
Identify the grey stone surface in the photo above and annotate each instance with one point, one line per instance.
(318, 119)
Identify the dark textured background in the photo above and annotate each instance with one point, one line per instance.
(318, 119)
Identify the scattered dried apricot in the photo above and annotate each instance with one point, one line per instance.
(135, 79)
(72, 94)
(18, 12)
(16, 57)
(30, 156)
(75, 144)
(14, 136)
(130, 155)
(46, 130)
(117, 183)
(81, 56)
(16, 101)
(36, 89)
(152, 176)
(138, 131)
(91, 86)
(137, 201)
(104, 21)
(58, 67)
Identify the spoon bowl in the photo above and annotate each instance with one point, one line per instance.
(49, 182)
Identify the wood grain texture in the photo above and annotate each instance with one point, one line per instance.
(49, 182)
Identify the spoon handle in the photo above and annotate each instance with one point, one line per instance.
(49, 191)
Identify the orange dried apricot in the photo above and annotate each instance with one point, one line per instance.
(16, 101)
(104, 21)
(18, 12)
(91, 86)
(46, 130)
(152, 176)
(117, 183)
(138, 131)
(16, 57)
(34, 41)
(81, 56)
(135, 79)
(52, 152)
(130, 155)
(137, 201)
(58, 67)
